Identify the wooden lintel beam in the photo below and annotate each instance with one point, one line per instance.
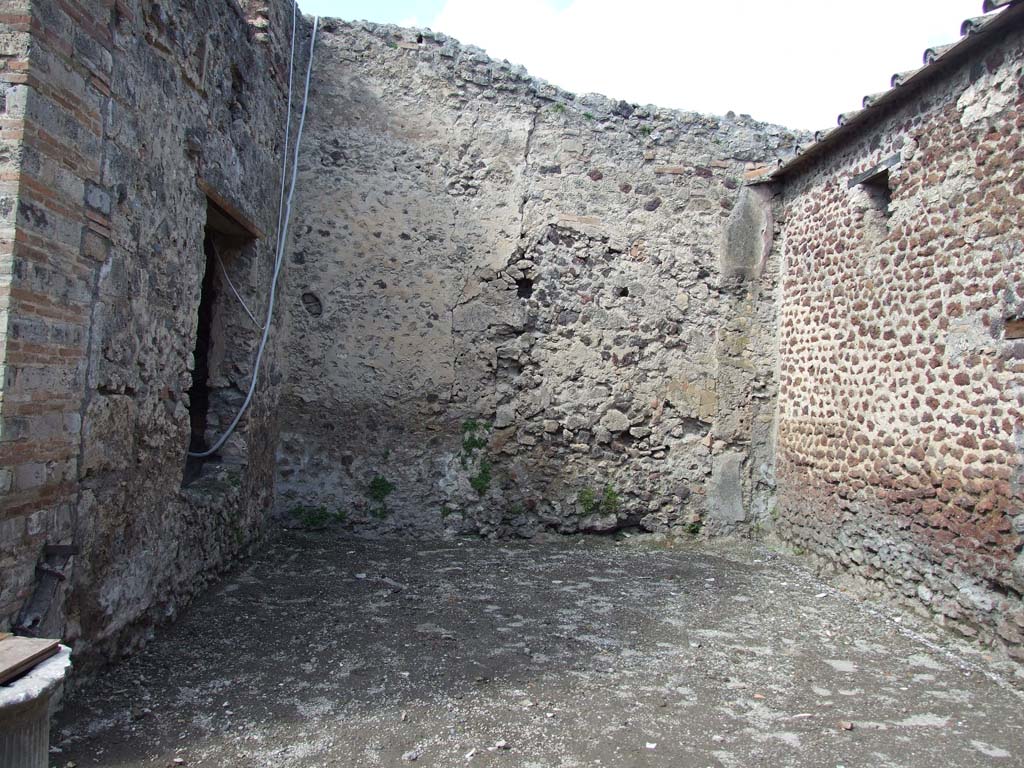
(885, 165)
(232, 210)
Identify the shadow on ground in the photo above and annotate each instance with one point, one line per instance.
(328, 651)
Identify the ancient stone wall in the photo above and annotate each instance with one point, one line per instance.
(136, 115)
(902, 384)
(506, 310)
(514, 310)
(15, 530)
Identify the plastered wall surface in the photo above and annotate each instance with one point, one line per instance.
(508, 307)
(900, 390)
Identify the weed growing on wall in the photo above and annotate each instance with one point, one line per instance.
(474, 439)
(316, 517)
(607, 503)
(587, 500)
(481, 481)
(610, 500)
(378, 491)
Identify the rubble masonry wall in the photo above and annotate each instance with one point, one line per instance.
(120, 117)
(509, 310)
(899, 456)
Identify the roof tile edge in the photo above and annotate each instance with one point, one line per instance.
(973, 33)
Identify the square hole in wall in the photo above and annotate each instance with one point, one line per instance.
(875, 190)
(879, 191)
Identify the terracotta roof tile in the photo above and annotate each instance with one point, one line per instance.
(901, 77)
(970, 30)
(846, 117)
(975, 25)
(871, 98)
(991, 5)
(933, 54)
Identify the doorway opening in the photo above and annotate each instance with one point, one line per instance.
(225, 336)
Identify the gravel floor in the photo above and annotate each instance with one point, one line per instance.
(331, 651)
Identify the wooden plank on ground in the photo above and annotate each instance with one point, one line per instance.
(19, 654)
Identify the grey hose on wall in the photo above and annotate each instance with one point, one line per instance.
(284, 216)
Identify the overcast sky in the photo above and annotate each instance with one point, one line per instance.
(795, 62)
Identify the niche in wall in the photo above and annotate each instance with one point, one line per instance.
(875, 189)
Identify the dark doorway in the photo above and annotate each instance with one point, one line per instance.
(199, 392)
(224, 334)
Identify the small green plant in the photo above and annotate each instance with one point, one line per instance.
(608, 503)
(558, 108)
(340, 516)
(379, 489)
(472, 442)
(310, 517)
(588, 115)
(387, 454)
(481, 481)
(446, 512)
(474, 438)
(646, 130)
(610, 500)
(378, 492)
(694, 528)
(587, 500)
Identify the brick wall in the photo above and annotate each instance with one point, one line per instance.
(899, 419)
(128, 105)
(17, 571)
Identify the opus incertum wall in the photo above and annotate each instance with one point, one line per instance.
(135, 133)
(506, 310)
(901, 382)
(510, 312)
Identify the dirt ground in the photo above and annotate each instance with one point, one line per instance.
(331, 651)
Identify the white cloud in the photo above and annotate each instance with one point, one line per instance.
(797, 62)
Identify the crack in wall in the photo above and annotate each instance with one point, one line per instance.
(526, 167)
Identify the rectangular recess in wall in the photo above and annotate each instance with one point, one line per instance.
(872, 175)
(875, 183)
